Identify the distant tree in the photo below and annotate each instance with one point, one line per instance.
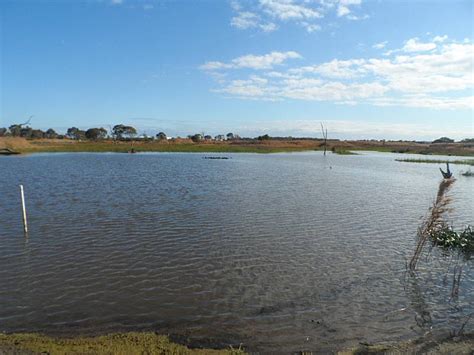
(467, 140)
(161, 136)
(230, 136)
(15, 130)
(443, 140)
(207, 137)
(96, 133)
(37, 134)
(26, 132)
(121, 131)
(197, 137)
(51, 134)
(265, 137)
(75, 133)
(71, 132)
(3, 132)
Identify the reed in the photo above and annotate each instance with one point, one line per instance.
(433, 221)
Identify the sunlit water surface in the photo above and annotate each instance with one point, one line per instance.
(281, 252)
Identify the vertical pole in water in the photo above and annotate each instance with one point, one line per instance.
(25, 224)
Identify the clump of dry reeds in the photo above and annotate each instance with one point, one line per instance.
(433, 221)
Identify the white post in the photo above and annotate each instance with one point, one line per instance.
(25, 225)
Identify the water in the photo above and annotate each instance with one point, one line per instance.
(281, 252)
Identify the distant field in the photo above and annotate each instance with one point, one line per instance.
(242, 146)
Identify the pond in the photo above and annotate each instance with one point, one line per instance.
(280, 252)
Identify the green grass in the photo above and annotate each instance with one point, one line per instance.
(438, 161)
(120, 343)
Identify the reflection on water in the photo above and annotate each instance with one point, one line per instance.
(282, 252)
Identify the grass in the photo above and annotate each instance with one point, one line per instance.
(120, 343)
(243, 146)
(184, 147)
(438, 161)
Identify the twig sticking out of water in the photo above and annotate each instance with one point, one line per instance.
(433, 221)
(456, 281)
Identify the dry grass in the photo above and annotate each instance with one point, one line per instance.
(119, 343)
(241, 146)
(434, 220)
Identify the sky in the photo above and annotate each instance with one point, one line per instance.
(392, 69)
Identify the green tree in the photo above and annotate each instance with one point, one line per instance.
(161, 136)
(121, 131)
(443, 140)
(265, 137)
(26, 132)
(3, 132)
(96, 133)
(15, 130)
(196, 137)
(75, 133)
(37, 134)
(51, 133)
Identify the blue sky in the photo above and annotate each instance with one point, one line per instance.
(367, 69)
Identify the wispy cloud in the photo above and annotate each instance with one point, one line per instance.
(380, 45)
(269, 15)
(438, 77)
(266, 61)
(350, 129)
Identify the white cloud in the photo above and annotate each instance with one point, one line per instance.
(288, 9)
(343, 8)
(440, 39)
(380, 45)
(245, 20)
(251, 61)
(268, 27)
(440, 78)
(269, 15)
(351, 129)
(413, 45)
(310, 27)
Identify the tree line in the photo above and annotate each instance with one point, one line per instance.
(119, 132)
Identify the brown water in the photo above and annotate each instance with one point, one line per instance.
(282, 252)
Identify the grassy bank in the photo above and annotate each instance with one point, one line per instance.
(120, 343)
(438, 161)
(242, 146)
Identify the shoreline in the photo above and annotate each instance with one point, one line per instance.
(27, 146)
(154, 343)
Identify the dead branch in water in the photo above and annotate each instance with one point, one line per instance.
(325, 137)
(433, 221)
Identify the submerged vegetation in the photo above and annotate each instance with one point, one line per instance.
(447, 237)
(342, 151)
(438, 161)
(119, 343)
